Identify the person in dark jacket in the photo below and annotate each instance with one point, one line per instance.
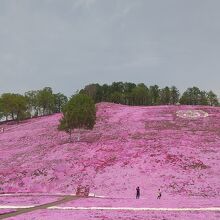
(159, 194)
(138, 192)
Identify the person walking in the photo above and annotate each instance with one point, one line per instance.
(159, 194)
(138, 192)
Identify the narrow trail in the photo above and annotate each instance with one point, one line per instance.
(31, 209)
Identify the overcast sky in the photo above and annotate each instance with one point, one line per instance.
(67, 44)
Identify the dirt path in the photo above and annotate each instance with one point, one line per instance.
(44, 206)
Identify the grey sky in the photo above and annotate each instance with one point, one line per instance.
(66, 44)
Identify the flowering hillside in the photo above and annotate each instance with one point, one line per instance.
(175, 148)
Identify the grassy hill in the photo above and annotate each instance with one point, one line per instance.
(174, 148)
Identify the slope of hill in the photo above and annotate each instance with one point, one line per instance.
(175, 148)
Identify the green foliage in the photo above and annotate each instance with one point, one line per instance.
(14, 106)
(117, 87)
(1, 109)
(46, 100)
(128, 87)
(194, 96)
(165, 96)
(39, 102)
(212, 99)
(154, 95)
(90, 90)
(131, 94)
(174, 95)
(60, 101)
(78, 113)
(140, 95)
(116, 97)
(203, 99)
(32, 100)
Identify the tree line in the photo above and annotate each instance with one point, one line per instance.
(44, 102)
(139, 94)
(32, 104)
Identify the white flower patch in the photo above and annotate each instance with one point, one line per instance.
(192, 114)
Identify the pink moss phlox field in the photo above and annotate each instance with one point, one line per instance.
(26, 200)
(150, 147)
(110, 215)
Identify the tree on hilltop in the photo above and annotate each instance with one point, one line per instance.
(140, 95)
(212, 98)
(154, 94)
(174, 95)
(46, 100)
(194, 96)
(60, 101)
(165, 96)
(32, 100)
